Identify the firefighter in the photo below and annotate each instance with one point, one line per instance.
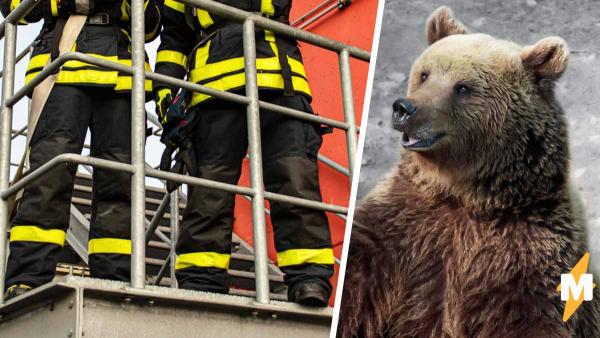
(209, 50)
(83, 96)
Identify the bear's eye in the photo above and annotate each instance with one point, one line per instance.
(424, 76)
(462, 90)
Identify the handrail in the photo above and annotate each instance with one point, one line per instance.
(76, 159)
(278, 27)
(59, 61)
(313, 12)
(137, 168)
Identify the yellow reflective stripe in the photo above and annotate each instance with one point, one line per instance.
(31, 233)
(124, 13)
(87, 76)
(297, 66)
(266, 7)
(109, 246)
(79, 64)
(31, 76)
(99, 76)
(202, 55)
(303, 256)
(176, 5)
(269, 36)
(126, 83)
(54, 7)
(38, 61)
(14, 4)
(204, 18)
(265, 80)
(172, 56)
(211, 70)
(202, 259)
(205, 71)
(227, 66)
(122, 82)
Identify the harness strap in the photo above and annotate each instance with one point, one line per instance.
(286, 69)
(190, 14)
(59, 28)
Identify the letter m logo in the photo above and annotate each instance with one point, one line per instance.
(572, 290)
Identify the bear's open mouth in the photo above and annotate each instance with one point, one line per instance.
(420, 140)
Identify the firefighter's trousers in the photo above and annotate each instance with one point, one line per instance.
(289, 150)
(39, 227)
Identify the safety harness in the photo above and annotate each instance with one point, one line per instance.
(207, 34)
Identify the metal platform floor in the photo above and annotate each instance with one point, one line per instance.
(78, 307)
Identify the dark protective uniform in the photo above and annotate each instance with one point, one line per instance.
(84, 96)
(289, 146)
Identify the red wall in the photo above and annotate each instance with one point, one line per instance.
(355, 26)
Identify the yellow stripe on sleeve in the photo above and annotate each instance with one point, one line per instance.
(172, 56)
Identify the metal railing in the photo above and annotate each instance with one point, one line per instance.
(138, 168)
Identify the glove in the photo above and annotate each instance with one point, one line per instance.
(173, 116)
(164, 99)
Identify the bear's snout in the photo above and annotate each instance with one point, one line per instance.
(403, 111)
(415, 124)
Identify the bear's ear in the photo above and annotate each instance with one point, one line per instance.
(442, 23)
(547, 59)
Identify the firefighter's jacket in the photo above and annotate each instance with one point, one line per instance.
(110, 42)
(215, 58)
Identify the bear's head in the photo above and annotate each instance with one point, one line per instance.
(480, 113)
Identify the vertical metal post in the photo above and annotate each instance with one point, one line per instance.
(349, 117)
(138, 135)
(256, 170)
(8, 87)
(174, 234)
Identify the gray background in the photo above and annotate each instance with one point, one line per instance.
(525, 22)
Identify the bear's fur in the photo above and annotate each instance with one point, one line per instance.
(469, 236)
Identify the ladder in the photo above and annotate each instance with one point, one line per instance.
(241, 268)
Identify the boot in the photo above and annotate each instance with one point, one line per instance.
(15, 291)
(310, 294)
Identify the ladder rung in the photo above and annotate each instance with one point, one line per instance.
(159, 245)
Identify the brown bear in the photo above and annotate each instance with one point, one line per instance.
(470, 235)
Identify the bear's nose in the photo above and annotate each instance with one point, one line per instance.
(403, 110)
